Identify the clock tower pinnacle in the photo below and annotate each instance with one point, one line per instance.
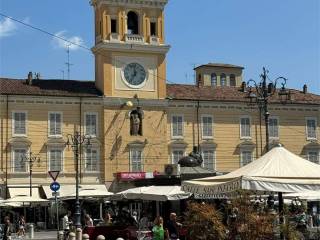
(130, 49)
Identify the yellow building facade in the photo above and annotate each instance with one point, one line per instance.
(138, 123)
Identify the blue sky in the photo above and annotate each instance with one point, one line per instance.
(283, 36)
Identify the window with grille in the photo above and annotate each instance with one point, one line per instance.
(207, 127)
(19, 160)
(208, 157)
(232, 80)
(19, 123)
(313, 156)
(245, 127)
(136, 160)
(273, 128)
(55, 120)
(213, 79)
(91, 124)
(177, 154)
(177, 126)
(223, 80)
(55, 160)
(246, 158)
(311, 128)
(92, 160)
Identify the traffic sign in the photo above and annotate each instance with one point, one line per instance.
(55, 186)
(55, 194)
(54, 175)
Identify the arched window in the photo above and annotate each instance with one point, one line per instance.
(133, 23)
(232, 80)
(213, 79)
(223, 80)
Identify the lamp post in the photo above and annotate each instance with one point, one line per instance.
(75, 141)
(261, 95)
(30, 159)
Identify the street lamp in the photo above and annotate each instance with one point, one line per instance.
(30, 159)
(75, 141)
(263, 92)
(261, 95)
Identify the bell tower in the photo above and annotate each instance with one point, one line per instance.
(130, 50)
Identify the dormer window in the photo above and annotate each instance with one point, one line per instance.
(232, 80)
(133, 23)
(153, 28)
(213, 79)
(223, 80)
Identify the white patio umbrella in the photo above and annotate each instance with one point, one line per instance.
(85, 192)
(152, 193)
(21, 200)
(308, 195)
(277, 171)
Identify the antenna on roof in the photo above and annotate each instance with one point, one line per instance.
(68, 61)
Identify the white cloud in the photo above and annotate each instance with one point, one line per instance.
(7, 27)
(73, 42)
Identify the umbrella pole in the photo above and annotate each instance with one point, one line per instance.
(281, 220)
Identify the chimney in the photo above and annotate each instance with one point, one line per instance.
(305, 89)
(243, 87)
(29, 79)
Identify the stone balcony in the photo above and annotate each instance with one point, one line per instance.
(133, 38)
(114, 37)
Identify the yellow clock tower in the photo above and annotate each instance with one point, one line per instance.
(130, 49)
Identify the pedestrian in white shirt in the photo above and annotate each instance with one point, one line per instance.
(66, 224)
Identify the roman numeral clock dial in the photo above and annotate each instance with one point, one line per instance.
(134, 75)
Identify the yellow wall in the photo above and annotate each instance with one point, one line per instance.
(157, 144)
(206, 72)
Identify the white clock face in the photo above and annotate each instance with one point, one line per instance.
(134, 74)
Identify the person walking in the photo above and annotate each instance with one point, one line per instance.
(157, 230)
(66, 222)
(21, 226)
(7, 230)
(173, 226)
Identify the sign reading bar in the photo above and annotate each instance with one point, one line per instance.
(130, 176)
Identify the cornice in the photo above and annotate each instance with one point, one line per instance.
(120, 102)
(126, 47)
(160, 4)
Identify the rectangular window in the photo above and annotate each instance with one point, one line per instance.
(246, 158)
(55, 160)
(313, 156)
(311, 128)
(177, 126)
(136, 160)
(19, 123)
(92, 160)
(55, 120)
(208, 159)
(245, 127)
(19, 160)
(176, 156)
(91, 124)
(113, 25)
(207, 127)
(153, 29)
(273, 128)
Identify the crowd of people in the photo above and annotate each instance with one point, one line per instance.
(9, 228)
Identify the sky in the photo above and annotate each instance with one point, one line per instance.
(283, 36)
